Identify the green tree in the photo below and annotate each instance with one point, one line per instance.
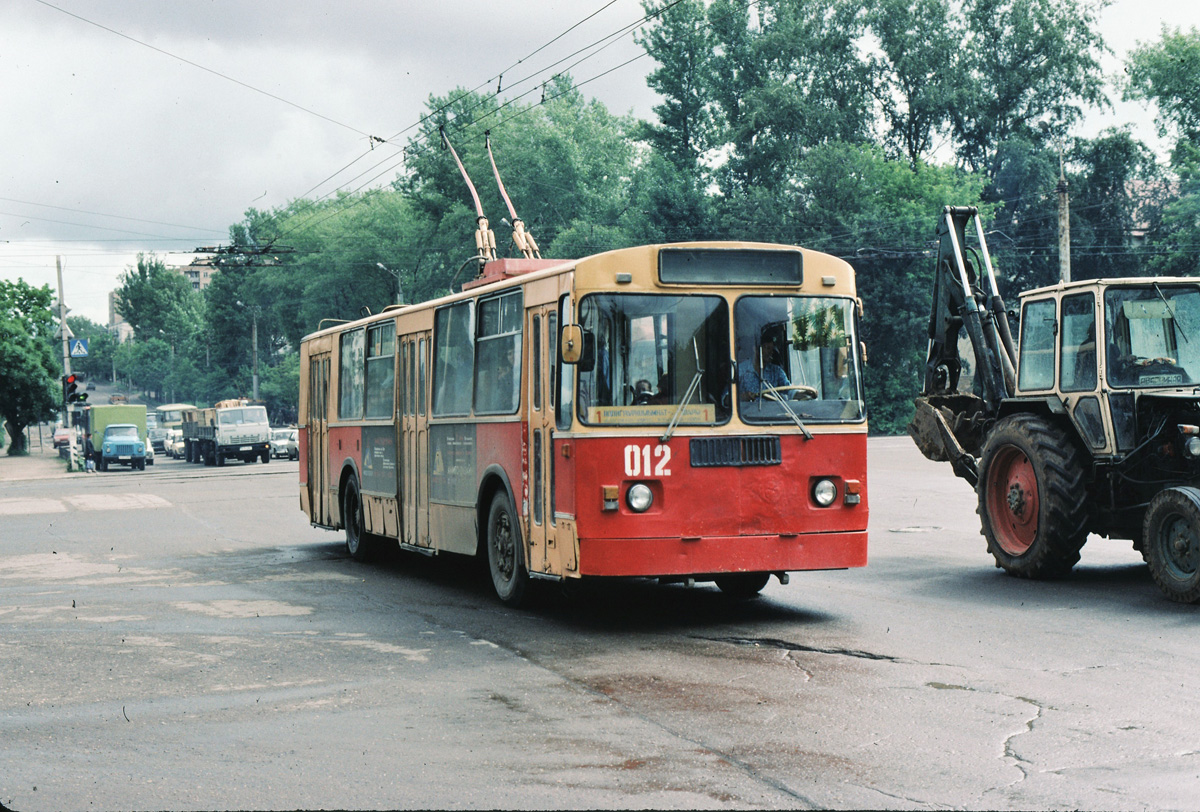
(98, 363)
(1165, 73)
(1112, 199)
(157, 301)
(915, 84)
(680, 40)
(1026, 70)
(787, 77)
(29, 365)
(880, 215)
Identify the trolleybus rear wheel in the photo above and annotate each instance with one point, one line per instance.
(505, 551)
(358, 542)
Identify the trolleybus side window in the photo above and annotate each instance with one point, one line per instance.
(420, 392)
(350, 376)
(498, 354)
(453, 359)
(381, 369)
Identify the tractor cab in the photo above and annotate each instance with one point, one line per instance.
(1149, 346)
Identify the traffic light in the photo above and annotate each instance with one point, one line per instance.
(71, 393)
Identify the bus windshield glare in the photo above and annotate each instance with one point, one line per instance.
(642, 353)
(796, 356)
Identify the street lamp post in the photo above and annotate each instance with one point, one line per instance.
(254, 311)
(396, 274)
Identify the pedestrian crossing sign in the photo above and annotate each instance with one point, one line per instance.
(79, 347)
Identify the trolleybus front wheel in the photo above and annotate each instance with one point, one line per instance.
(742, 584)
(506, 553)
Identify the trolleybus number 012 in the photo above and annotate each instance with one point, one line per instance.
(638, 460)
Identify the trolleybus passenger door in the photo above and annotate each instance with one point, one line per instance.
(540, 329)
(318, 439)
(414, 439)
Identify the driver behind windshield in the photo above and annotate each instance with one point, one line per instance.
(763, 371)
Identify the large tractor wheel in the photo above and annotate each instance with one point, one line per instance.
(1032, 498)
(1172, 541)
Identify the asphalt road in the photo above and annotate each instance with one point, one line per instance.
(181, 638)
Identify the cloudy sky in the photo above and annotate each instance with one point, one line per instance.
(144, 125)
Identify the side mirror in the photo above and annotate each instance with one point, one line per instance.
(570, 344)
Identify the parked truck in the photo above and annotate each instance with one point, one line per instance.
(118, 435)
(232, 429)
(1089, 423)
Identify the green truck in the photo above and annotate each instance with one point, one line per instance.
(118, 436)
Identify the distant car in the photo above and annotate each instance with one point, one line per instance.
(285, 443)
(174, 443)
(62, 436)
(90, 387)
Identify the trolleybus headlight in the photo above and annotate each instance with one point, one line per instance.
(639, 498)
(1193, 446)
(824, 492)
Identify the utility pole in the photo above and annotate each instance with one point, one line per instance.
(254, 342)
(255, 310)
(66, 346)
(1064, 225)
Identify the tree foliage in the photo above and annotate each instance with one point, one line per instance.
(29, 366)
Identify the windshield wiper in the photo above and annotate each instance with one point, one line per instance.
(1171, 310)
(687, 396)
(771, 390)
(691, 390)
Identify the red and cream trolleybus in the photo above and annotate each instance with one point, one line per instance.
(686, 412)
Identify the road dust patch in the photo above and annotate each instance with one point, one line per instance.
(413, 655)
(916, 528)
(303, 577)
(39, 567)
(112, 618)
(116, 501)
(22, 507)
(230, 609)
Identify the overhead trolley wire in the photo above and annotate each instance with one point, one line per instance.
(206, 69)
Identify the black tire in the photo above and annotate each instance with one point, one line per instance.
(1032, 497)
(743, 585)
(358, 542)
(506, 552)
(1172, 538)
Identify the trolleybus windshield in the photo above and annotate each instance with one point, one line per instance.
(642, 354)
(796, 355)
